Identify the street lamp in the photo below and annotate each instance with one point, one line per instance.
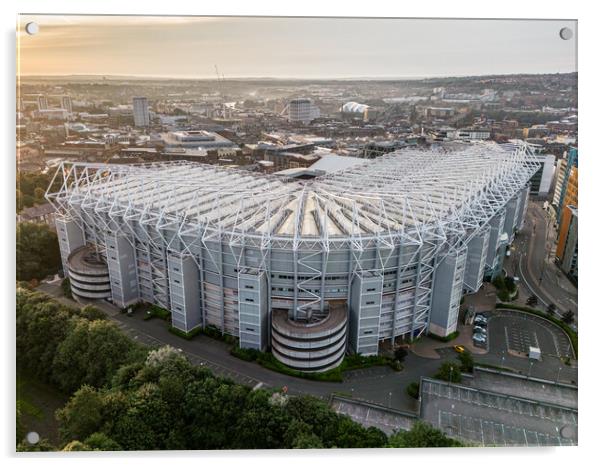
(558, 375)
(390, 393)
(530, 367)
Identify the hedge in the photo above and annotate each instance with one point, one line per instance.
(568, 330)
(446, 339)
(186, 335)
(350, 362)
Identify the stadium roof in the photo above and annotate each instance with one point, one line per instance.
(331, 163)
(401, 194)
(353, 107)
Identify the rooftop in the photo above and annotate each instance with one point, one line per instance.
(396, 195)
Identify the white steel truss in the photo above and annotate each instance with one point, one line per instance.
(416, 197)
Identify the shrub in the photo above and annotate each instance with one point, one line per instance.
(507, 289)
(422, 435)
(157, 311)
(568, 317)
(400, 354)
(449, 372)
(466, 361)
(413, 389)
(446, 339)
(66, 288)
(186, 335)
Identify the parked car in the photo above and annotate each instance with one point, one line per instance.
(479, 339)
(479, 329)
(481, 324)
(480, 321)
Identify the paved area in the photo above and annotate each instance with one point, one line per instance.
(370, 415)
(515, 332)
(491, 419)
(430, 348)
(521, 386)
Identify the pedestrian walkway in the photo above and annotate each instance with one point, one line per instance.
(427, 347)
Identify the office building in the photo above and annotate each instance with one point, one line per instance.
(141, 114)
(347, 261)
(197, 139)
(42, 101)
(566, 171)
(542, 180)
(66, 103)
(567, 247)
(302, 111)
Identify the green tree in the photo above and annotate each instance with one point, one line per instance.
(41, 327)
(38, 194)
(262, 424)
(91, 353)
(466, 361)
(213, 407)
(306, 441)
(92, 313)
(100, 441)
(146, 423)
(42, 445)
(422, 435)
(82, 415)
(449, 372)
(76, 445)
(568, 317)
(38, 252)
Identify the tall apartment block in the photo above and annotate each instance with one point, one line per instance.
(141, 113)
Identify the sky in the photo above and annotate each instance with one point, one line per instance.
(304, 48)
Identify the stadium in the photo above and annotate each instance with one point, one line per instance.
(307, 269)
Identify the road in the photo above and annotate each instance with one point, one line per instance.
(380, 385)
(532, 261)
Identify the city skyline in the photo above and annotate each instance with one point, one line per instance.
(285, 48)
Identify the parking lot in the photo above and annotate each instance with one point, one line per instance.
(514, 332)
(487, 418)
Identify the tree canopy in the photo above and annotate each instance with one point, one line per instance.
(422, 435)
(38, 252)
(125, 397)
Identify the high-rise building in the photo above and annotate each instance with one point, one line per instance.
(66, 103)
(141, 114)
(566, 182)
(567, 248)
(42, 102)
(374, 253)
(302, 110)
(542, 180)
